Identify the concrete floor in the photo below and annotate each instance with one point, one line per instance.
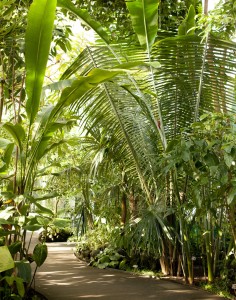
(64, 277)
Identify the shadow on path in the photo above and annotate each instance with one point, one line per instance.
(63, 276)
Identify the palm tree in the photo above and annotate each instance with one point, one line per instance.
(184, 77)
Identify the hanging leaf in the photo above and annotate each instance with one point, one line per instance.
(24, 270)
(15, 247)
(32, 227)
(228, 159)
(40, 254)
(6, 261)
(16, 131)
(144, 17)
(44, 197)
(188, 24)
(7, 157)
(57, 86)
(37, 45)
(83, 84)
(20, 286)
(43, 210)
(231, 195)
(4, 143)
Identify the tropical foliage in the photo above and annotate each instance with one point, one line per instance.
(151, 151)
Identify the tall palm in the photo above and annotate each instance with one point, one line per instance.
(147, 109)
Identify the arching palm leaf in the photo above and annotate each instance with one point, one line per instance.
(185, 61)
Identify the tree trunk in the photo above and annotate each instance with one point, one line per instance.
(123, 208)
(232, 221)
(209, 252)
(133, 203)
(205, 5)
(165, 266)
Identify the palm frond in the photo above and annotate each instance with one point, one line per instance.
(195, 77)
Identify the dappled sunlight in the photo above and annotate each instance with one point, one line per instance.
(92, 296)
(63, 276)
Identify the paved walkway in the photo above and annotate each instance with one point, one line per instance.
(64, 277)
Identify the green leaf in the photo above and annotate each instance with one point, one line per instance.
(188, 24)
(16, 131)
(144, 17)
(24, 270)
(85, 18)
(6, 2)
(172, 145)
(15, 247)
(104, 259)
(231, 195)
(4, 143)
(58, 86)
(37, 45)
(44, 197)
(116, 257)
(32, 227)
(114, 264)
(43, 210)
(61, 223)
(40, 254)
(44, 221)
(20, 286)
(6, 233)
(8, 153)
(228, 159)
(84, 84)
(6, 261)
(7, 157)
(3, 221)
(48, 147)
(211, 159)
(103, 265)
(9, 279)
(186, 156)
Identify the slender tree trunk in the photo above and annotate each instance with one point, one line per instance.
(217, 244)
(123, 208)
(232, 221)
(205, 5)
(164, 261)
(2, 82)
(208, 250)
(1, 98)
(133, 203)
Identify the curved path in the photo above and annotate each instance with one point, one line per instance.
(64, 277)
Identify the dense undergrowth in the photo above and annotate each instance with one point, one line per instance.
(104, 248)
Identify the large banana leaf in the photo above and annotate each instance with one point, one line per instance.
(48, 120)
(16, 131)
(37, 45)
(144, 16)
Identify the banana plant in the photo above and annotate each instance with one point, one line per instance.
(36, 135)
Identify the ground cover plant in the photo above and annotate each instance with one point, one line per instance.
(137, 133)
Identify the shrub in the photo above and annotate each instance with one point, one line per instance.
(54, 234)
